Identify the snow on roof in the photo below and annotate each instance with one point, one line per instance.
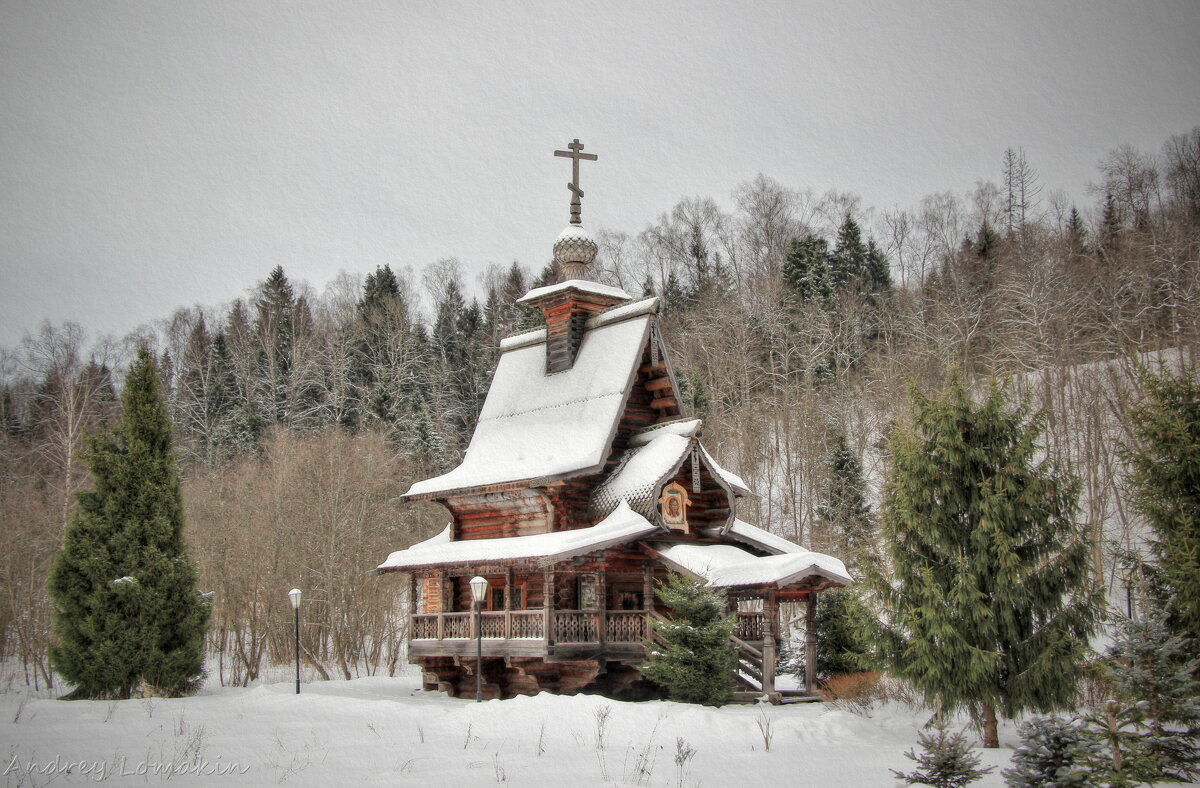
(521, 340)
(727, 566)
(536, 425)
(729, 477)
(645, 306)
(686, 427)
(764, 540)
(582, 285)
(623, 525)
(640, 472)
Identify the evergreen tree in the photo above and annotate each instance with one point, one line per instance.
(842, 618)
(11, 424)
(274, 326)
(848, 263)
(1164, 461)
(945, 761)
(806, 269)
(989, 602)
(697, 663)
(675, 296)
(1054, 753)
(878, 272)
(1076, 234)
(1153, 728)
(987, 242)
(1110, 225)
(844, 510)
(127, 613)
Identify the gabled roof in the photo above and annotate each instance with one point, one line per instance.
(535, 425)
(727, 566)
(623, 525)
(762, 539)
(655, 455)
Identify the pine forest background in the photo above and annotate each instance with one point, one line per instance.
(796, 321)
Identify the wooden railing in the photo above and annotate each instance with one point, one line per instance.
(626, 626)
(570, 626)
(527, 624)
(576, 626)
(750, 626)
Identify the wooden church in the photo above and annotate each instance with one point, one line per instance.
(584, 484)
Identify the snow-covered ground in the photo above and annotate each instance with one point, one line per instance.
(386, 731)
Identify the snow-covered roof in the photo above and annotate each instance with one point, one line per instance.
(685, 427)
(640, 472)
(727, 566)
(730, 478)
(580, 285)
(623, 525)
(535, 425)
(763, 540)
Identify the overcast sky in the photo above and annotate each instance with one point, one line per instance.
(163, 154)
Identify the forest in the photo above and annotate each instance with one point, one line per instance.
(796, 321)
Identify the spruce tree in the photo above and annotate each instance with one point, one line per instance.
(696, 664)
(988, 602)
(1153, 727)
(806, 269)
(1164, 461)
(127, 613)
(848, 263)
(1054, 753)
(945, 761)
(844, 510)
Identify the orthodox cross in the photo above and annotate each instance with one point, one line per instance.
(575, 153)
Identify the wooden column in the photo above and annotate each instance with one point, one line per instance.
(771, 623)
(648, 585)
(508, 600)
(548, 604)
(441, 627)
(602, 612)
(768, 663)
(647, 596)
(810, 644)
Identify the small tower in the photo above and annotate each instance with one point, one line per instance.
(568, 304)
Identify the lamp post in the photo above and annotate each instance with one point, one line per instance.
(479, 587)
(294, 595)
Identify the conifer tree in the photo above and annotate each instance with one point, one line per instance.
(806, 269)
(127, 613)
(989, 601)
(1054, 753)
(844, 510)
(1153, 728)
(848, 263)
(696, 665)
(1164, 459)
(878, 273)
(945, 761)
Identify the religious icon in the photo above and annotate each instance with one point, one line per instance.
(673, 505)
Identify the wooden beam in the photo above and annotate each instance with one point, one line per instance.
(810, 644)
(663, 402)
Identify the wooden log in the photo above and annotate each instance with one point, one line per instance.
(663, 402)
(658, 384)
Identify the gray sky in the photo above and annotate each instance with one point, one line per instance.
(161, 154)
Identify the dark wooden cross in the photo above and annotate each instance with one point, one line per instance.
(575, 153)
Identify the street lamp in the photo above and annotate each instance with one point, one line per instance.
(294, 595)
(478, 593)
